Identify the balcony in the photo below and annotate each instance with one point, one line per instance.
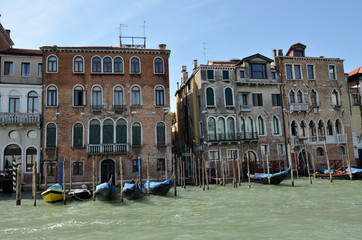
(297, 141)
(234, 137)
(245, 108)
(339, 138)
(119, 108)
(113, 148)
(97, 108)
(299, 107)
(20, 118)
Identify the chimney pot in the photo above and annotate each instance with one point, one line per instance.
(274, 52)
(194, 65)
(280, 52)
(8, 31)
(162, 46)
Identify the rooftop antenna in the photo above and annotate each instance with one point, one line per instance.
(204, 51)
(144, 28)
(120, 32)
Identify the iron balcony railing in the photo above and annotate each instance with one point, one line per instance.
(299, 107)
(118, 107)
(107, 148)
(246, 136)
(20, 118)
(97, 108)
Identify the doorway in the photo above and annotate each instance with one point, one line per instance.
(108, 171)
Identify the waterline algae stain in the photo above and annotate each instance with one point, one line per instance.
(319, 211)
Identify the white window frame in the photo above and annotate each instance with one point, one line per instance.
(73, 134)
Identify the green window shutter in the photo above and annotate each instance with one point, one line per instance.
(121, 134)
(210, 97)
(94, 135)
(210, 74)
(161, 135)
(225, 75)
(107, 134)
(78, 137)
(136, 135)
(51, 137)
(260, 96)
(228, 97)
(254, 100)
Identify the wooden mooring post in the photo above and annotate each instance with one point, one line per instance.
(349, 164)
(148, 175)
(248, 166)
(70, 173)
(121, 172)
(18, 185)
(93, 178)
(34, 184)
(64, 190)
(267, 165)
(329, 166)
(174, 176)
(291, 165)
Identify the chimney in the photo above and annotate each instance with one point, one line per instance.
(8, 31)
(274, 52)
(194, 65)
(185, 74)
(178, 86)
(162, 46)
(280, 52)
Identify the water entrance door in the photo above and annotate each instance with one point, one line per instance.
(108, 171)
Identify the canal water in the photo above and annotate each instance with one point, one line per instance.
(318, 211)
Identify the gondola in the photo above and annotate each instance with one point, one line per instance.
(275, 178)
(342, 174)
(159, 188)
(131, 191)
(106, 191)
(80, 193)
(53, 194)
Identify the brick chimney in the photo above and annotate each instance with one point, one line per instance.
(8, 31)
(194, 65)
(280, 52)
(185, 74)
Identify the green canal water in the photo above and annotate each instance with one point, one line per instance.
(318, 211)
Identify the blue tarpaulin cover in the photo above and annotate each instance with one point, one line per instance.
(263, 175)
(155, 184)
(354, 170)
(56, 187)
(325, 170)
(105, 185)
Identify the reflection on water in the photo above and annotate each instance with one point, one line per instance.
(318, 211)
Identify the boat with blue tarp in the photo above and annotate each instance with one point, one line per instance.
(341, 173)
(106, 191)
(133, 190)
(275, 178)
(159, 188)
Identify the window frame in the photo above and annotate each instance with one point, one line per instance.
(133, 137)
(313, 72)
(158, 67)
(52, 65)
(94, 99)
(334, 71)
(25, 69)
(208, 75)
(107, 64)
(257, 99)
(213, 96)
(96, 65)
(122, 102)
(35, 102)
(276, 99)
(132, 96)
(55, 92)
(8, 68)
(135, 65)
(79, 167)
(33, 159)
(121, 65)
(55, 136)
(159, 96)
(84, 96)
(252, 72)
(78, 64)
(230, 98)
(40, 70)
(160, 144)
(279, 132)
(224, 73)
(73, 136)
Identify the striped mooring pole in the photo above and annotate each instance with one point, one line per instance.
(14, 174)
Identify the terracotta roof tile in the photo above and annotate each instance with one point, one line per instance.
(18, 51)
(356, 71)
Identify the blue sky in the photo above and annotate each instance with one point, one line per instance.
(229, 28)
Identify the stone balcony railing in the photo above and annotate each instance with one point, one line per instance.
(299, 141)
(299, 107)
(20, 118)
(107, 148)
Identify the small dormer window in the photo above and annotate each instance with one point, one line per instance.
(298, 53)
(257, 70)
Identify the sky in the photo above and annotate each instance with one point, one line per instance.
(192, 29)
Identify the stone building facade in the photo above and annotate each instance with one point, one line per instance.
(315, 101)
(20, 106)
(106, 104)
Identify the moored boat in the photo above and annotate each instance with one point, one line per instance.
(53, 194)
(159, 188)
(341, 173)
(106, 191)
(275, 178)
(80, 194)
(131, 191)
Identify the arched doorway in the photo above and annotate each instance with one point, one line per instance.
(108, 170)
(10, 152)
(302, 162)
(253, 162)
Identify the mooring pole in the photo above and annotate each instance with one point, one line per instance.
(248, 165)
(18, 185)
(267, 165)
(34, 183)
(121, 172)
(148, 175)
(329, 166)
(291, 165)
(94, 186)
(174, 175)
(64, 190)
(14, 174)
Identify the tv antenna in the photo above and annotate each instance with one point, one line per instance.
(144, 28)
(204, 51)
(120, 28)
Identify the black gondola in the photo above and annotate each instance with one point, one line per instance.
(340, 174)
(275, 178)
(131, 191)
(159, 188)
(106, 191)
(80, 193)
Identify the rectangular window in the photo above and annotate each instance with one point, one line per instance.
(225, 75)
(243, 99)
(257, 70)
(265, 150)
(298, 53)
(40, 70)
(135, 165)
(310, 69)
(242, 74)
(332, 72)
(276, 100)
(51, 169)
(52, 98)
(78, 98)
(78, 168)
(257, 99)
(160, 97)
(14, 105)
(297, 73)
(288, 70)
(8, 68)
(78, 136)
(273, 75)
(160, 165)
(30, 159)
(210, 74)
(25, 69)
(213, 155)
(355, 100)
(281, 149)
(232, 154)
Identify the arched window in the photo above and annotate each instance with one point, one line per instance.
(158, 65)
(51, 135)
(79, 96)
(211, 128)
(160, 96)
(221, 128)
(78, 64)
(321, 130)
(52, 96)
(291, 97)
(314, 101)
(107, 64)
(96, 64)
(32, 102)
(294, 129)
(249, 128)
(312, 131)
(276, 126)
(77, 135)
(329, 128)
(52, 64)
(339, 127)
(229, 97)
(97, 98)
(135, 65)
(341, 151)
(136, 96)
(251, 155)
(118, 97)
(335, 98)
(231, 128)
(210, 97)
(108, 131)
(242, 127)
(94, 132)
(121, 131)
(136, 134)
(299, 96)
(261, 126)
(118, 65)
(320, 151)
(303, 129)
(161, 134)
(30, 158)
